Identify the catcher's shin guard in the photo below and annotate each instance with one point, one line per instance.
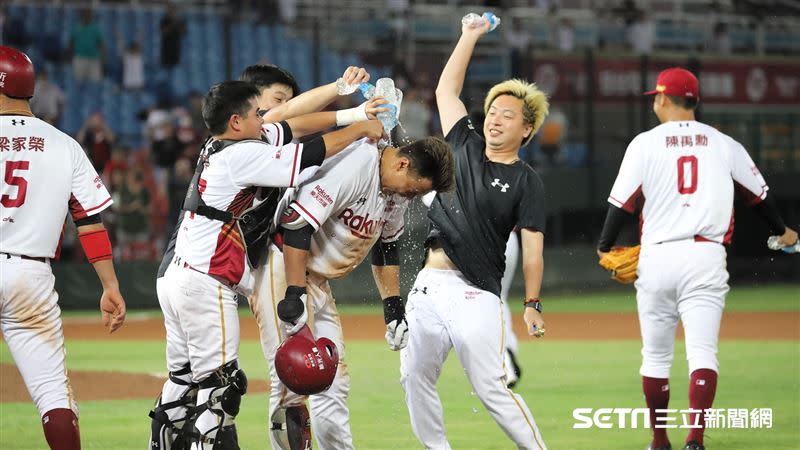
(218, 401)
(291, 428)
(173, 407)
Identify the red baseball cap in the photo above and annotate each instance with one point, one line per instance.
(678, 82)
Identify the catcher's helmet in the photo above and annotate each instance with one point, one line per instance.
(16, 73)
(307, 366)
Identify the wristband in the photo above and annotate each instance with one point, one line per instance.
(534, 303)
(96, 245)
(352, 115)
(393, 309)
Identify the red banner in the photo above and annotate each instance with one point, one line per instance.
(756, 83)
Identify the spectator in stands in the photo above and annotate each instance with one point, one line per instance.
(133, 217)
(565, 36)
(288, 11)
(518, 39)
(551, 138)
(86, 46)
(642, 34)
(48, 99)
(196, 113)
(133, 66)
(172, 30)
(97, 139)
(415, 116)
(14, 31)
(164, 145)
(719, 42)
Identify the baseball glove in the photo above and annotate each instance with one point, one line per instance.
(621, 262)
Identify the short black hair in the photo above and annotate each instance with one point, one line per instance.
(684, 102)
(224, 100)
(432, 158)
(265, 75)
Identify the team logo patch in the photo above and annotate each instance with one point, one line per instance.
(321, 196)
(503, 187)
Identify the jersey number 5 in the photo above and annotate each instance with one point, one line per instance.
(20, 182)
(687, 174)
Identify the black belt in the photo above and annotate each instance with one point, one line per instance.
(30, 258)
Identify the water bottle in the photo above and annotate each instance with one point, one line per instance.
(384, 87)
(473, 20)
(343, 88)
(773, 244)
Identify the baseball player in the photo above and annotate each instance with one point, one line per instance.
(330, 224)
(198, 291)
(277, 97)
(47, 174)
(685, 173)
(455, 301)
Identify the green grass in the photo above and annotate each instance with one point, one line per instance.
(558, 377)
(782, 297)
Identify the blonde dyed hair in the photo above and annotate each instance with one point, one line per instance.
(535, 106)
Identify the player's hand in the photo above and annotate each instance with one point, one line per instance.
(112, 307)
(292, 309)
(534, 322)
(374, 106)
(394, 316)
(476, 32)
(355, 75)
(397, 334)
(788, 238)
(373, 130)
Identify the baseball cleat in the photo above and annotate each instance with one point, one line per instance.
(693, 445)
(516, 372)
(665, 447)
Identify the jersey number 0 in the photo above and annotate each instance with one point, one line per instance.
(18, 181)
(687, 174)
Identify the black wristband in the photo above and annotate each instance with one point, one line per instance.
(534, 303)
(295, 292)
(393, 309)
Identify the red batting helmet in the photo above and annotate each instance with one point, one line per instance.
(16, 73)
(304, 365)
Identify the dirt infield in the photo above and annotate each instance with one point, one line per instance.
(560, 326)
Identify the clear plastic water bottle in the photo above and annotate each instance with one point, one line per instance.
(773, 244)
(343, 88)
(367, 90)
(384, 87)
(473, 20)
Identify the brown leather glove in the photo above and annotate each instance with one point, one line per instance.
(621, 262)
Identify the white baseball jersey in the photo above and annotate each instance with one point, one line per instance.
(45, 173)
(229, 183)
(685, 174)
(344, 204)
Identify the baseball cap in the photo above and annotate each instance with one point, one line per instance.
(678, 82)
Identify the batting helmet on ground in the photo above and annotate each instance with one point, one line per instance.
(305, 365)
(16, 73)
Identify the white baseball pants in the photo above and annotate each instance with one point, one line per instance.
(330, 417)
(683, 280)
(202, 321)
(31, 322)
(445, 311)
